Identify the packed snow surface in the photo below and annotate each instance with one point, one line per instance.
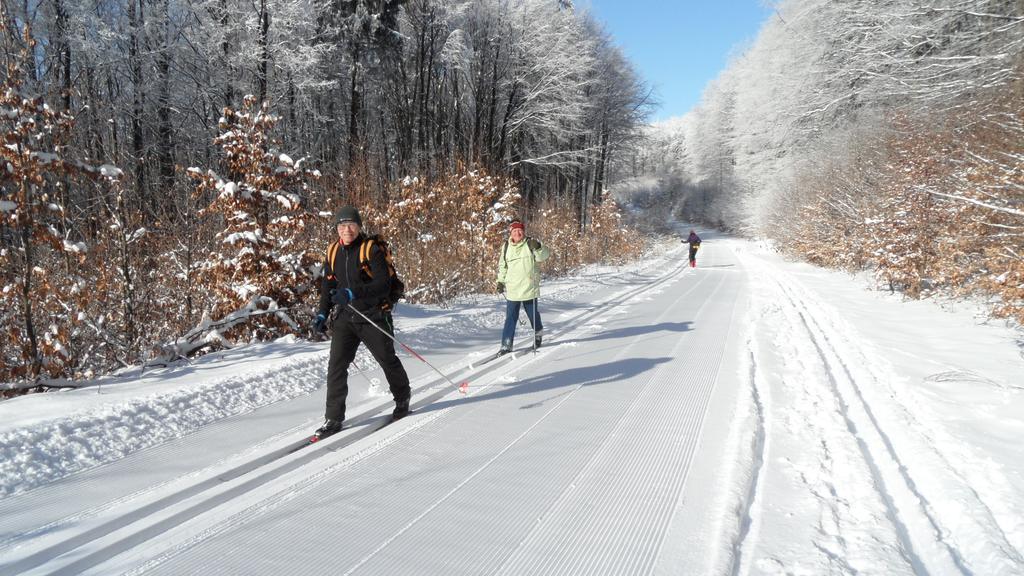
(748, 416)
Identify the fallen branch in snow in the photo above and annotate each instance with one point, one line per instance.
(12, 389)
(208, 333)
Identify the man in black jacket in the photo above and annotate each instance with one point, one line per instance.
(347, 284)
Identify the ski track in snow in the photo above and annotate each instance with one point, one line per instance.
(753, 413)
(941, 525)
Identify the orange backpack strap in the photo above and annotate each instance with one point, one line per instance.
(332, 251)
(364, 256)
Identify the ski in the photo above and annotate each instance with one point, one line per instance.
(314, 439)
(388, 420)
(309, 441)
(300, 446)
(463, 388)
(490, 358)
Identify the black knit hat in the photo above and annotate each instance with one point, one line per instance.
(348, 214)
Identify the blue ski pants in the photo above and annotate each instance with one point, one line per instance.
(508, 335)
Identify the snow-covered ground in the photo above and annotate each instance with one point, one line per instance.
(749, 416)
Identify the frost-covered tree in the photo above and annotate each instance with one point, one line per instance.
(369, 91)
(256, 271)
(44, 265)
(860, 122)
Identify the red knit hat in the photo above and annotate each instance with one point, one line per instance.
(517, 224)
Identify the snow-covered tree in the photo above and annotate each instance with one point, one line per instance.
(373, 91)
(847, 123)
(257, 270)
(44, 265)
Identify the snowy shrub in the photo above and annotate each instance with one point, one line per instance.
(607, 238)
(445, 234)
(559, 228)
(943, 212)
(261, 264)
(46, 268)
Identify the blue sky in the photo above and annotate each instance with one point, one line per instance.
(678, 46)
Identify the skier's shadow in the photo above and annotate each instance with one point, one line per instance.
(617, 371)
(636, 331)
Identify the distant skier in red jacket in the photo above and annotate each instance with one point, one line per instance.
(694, 242)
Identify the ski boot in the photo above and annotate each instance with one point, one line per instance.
(401, 409)
(328, 428)
(506, 347)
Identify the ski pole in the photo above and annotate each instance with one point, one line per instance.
(362, 373)
(534, 324)
(461, 387)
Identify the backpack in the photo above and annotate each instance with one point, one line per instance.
(397, 291)
(504, 250)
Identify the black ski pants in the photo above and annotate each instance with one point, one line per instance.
(347, 334)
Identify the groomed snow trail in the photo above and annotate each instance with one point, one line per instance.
(159, 476)
(722, 420)
(570, 461)
(561, 462)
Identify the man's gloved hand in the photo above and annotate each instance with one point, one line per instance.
(342, 296)
(500, 287)
(533, 243)
(320, 323)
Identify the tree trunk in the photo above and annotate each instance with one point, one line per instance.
(490, 161)
(599, 170)
(127, 281)
(136, 22)
(355, 110)
(225, 47)
(422, 85)
(63, 48)
(165, 132)
(510, 108)
(26, 288)
(263, 68)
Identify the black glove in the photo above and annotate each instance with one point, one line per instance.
(500, 287)
(342, 297)
(533, 243)
(320, 323)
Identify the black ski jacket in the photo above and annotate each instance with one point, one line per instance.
(369, 293)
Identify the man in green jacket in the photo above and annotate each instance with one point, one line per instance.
(519, 280)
